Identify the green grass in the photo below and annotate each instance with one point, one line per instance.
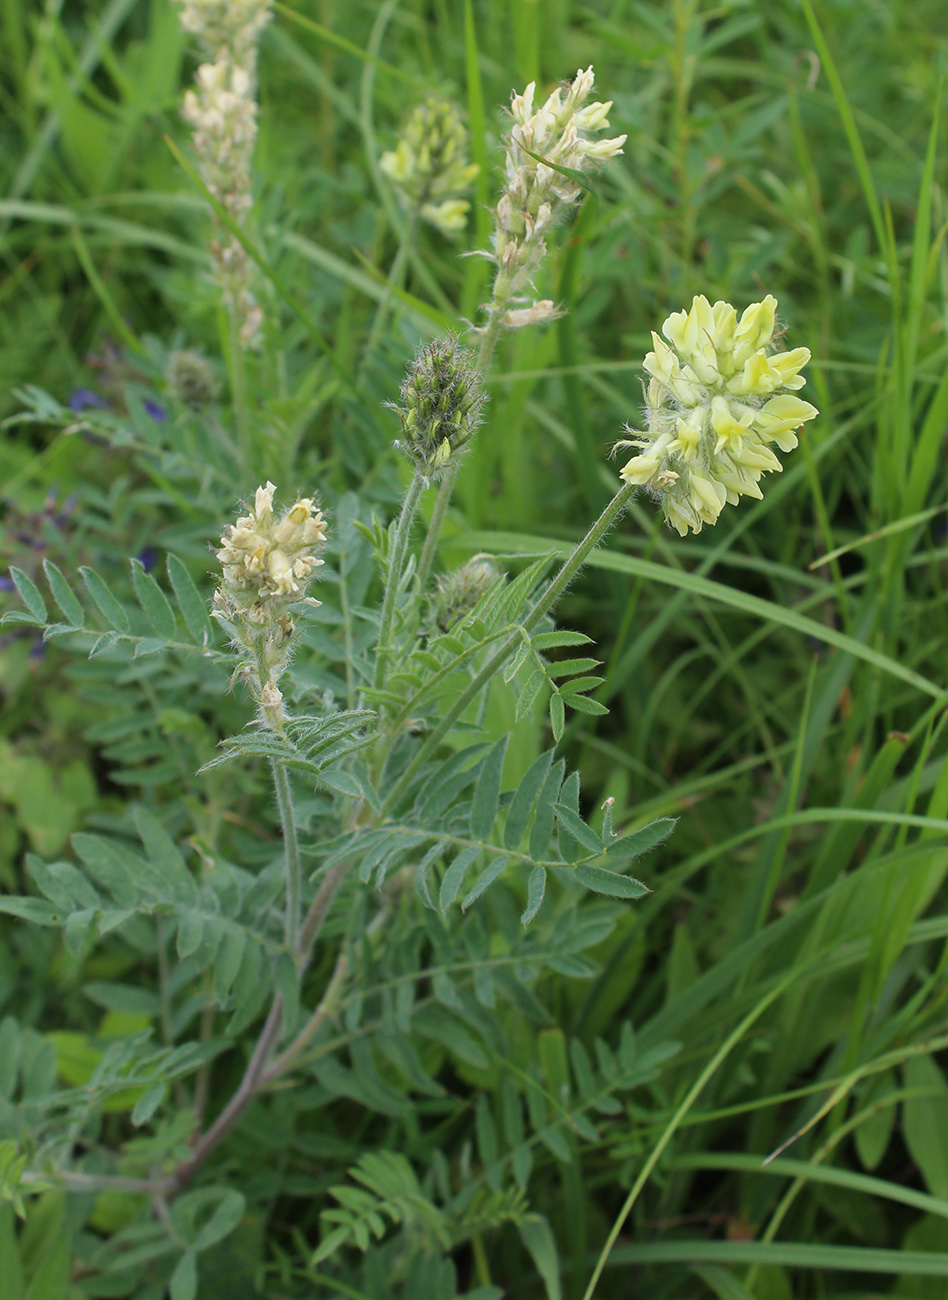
(778, 682)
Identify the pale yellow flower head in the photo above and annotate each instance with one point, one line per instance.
(535, 196)
(430, 167)
(716, 402)
(267, 565)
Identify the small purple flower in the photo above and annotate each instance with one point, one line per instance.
(82, 399)
(157, 413)
(6, 584)
(37, 650)
(146, 558)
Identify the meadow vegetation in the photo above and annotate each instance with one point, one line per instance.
(361, 1000)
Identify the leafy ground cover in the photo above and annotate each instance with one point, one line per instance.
(777, 683)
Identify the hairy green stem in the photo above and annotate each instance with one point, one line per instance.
(434, 528)
(327, 1004)
(291, 847)
(571, 566)
(396, 563)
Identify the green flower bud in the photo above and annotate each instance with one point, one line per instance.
(190, 379)
(442, 400)
(458, 592)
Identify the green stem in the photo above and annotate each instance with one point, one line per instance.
(292, 850)
(396, 565)
(434, 528)
(485, 352)
(571, 566)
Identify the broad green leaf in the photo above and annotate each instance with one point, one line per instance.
(183, 1283)
(36, 910)
(29, 594)
(229, 956)
(542, 828)
(601, 881)
(570, 667)
(148, 1103)
(529, 693)
(165, 856)
(190, 933)
(487, 877)
(583, 704)
(341, 781)
(628, 847)
(557, 716)
(64, 595)
(518, 814)
(192, 605)
(537, 1236)
(578, 829)
(553, 640)
(487, 792)
(536, 887)
(453, 878)
(153, 601)
(130, 879)
(110, 609)
(223, 1221)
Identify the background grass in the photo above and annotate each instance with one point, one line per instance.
(776, 682)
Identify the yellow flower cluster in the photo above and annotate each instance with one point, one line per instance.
(714, 406)
(222, 111)
(268, 565)
(429, 166)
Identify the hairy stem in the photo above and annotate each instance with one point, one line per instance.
(291, 846)
(312, 1027)
(396, 564)
(239, 1102)
(434, 528)
(571, 566)
(318, 911)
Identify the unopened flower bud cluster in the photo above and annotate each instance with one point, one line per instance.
(441, 406)
(715, 407)
(457, 593)
(222, 111)
(227, 28)
(429, 167)
(190, 379)
(535, 195)
(267, 566)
